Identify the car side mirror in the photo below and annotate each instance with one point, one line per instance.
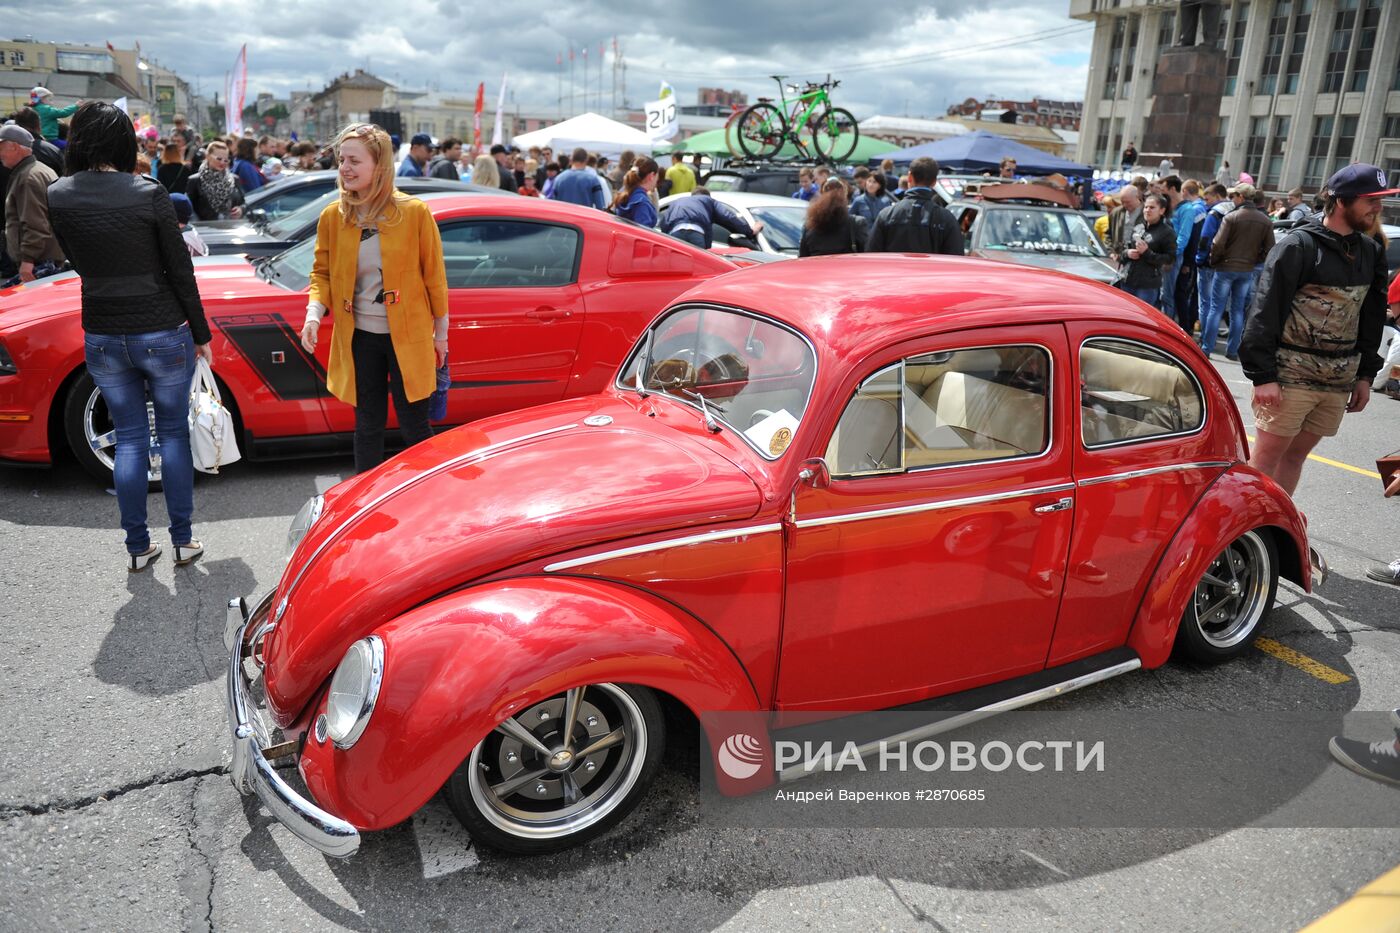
(814, 473)
(257, 216)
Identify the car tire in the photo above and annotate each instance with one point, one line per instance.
(512, 793)
(1231, 599)
(90, 435)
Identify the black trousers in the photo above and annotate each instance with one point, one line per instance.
(376, 376)
(1187, 301)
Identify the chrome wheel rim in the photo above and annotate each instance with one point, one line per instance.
(1231, 597)
(560, 765)
(101, 435)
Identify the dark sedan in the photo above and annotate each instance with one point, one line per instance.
(267, 237)
(277, 199)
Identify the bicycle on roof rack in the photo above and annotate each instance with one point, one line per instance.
(763, 128)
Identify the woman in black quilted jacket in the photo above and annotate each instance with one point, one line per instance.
(142, 318)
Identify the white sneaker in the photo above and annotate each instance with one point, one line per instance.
(138, 562)
(188, 553)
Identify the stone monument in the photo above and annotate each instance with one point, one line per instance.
(1187, 91)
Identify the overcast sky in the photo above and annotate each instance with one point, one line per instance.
(890, 58)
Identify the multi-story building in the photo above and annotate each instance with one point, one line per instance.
(88, 72)
(348, 98)
(1052, 114)
(1311, 85)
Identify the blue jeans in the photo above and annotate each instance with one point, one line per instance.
(1205, 285)
(1168, 302)
(128, 367)
(1152, 296)
(1229, 294)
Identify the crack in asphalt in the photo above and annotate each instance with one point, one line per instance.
(191, 837)
(915, 910)
(10, 811)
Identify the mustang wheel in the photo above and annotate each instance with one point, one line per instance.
(91, 435)
(1235, 592)
(561, 771)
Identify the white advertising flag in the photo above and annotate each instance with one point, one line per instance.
(120, 104)
(663, 120)
(497, 133)
(237, 92)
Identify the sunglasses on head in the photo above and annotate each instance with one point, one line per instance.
(360, 131)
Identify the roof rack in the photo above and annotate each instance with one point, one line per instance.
(1023, 193)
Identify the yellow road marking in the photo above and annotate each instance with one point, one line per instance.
(1336, 463)
(1301, 661)
(1374, 907)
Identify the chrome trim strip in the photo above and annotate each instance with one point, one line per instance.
(471, 457)
(931, 506)
(1150, 471)
(662, 546)
(798, 771)
(252, 773)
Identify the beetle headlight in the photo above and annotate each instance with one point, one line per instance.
(354, 688)
(306, 517)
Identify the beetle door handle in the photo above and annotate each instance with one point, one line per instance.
(1058, 506)
(546, 313)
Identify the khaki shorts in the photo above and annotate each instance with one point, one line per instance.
(1311, 410)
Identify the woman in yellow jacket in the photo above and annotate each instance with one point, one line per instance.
(379, 273)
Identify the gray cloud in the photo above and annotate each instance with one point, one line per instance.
(884, 56)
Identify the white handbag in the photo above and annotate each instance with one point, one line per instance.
(212, 440)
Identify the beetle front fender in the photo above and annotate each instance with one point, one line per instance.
(456, 667)
(1242, 499)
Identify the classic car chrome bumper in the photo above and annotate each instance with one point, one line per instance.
(1317, 566)
(251, 772)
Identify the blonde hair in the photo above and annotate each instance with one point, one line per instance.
(484, 172)
(378, 201)
(217, 145)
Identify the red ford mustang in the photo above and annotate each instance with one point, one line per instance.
(546, 298)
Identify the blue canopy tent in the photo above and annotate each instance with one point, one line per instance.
(982, 151)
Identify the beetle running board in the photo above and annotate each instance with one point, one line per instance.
(958, 710)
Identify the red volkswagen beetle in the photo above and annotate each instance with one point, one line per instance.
(848, 483)
(545, 298)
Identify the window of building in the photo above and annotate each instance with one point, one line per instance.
(1115, 54)
(1366, 44)
(1293, 67)
(1274, 46)
(1234, 45)
(1258, 138)
(1130, 55)
(1339, 46)
(16, 57)
(1317, 152)
(1273, 162)
(964, 406)
(1346, 142)
(1130, 392)
(1166, 30)
(1220, 140)
(1391, 129)
(1101, 144)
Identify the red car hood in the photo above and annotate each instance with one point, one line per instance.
(483, 497)
(218, 277)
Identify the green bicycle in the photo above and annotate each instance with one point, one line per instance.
(762, 129)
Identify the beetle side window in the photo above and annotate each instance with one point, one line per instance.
(960, 406)
(509, 254)
(1132, 392)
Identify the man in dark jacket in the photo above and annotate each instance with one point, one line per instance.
(45, 151)
(1151, 250)
(29, 237)
(692, 219)
(1243, 241)
(444, 165)
(1122, 221)
(918, 223)
(1315, 325)
(506, 166)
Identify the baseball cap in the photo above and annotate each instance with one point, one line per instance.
(1359, 181)
(421, 139)
(14, 133)
(184, 208)
(39, 93)
(1245, 191)
(498, 149)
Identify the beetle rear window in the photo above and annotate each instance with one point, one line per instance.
(1131, 392)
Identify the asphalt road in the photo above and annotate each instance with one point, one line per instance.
(115, 813)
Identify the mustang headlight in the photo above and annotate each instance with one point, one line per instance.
(354, 688)
(306, 517)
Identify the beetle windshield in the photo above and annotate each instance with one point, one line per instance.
(1039, 231)
(755, 375)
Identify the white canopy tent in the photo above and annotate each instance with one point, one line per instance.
(592, 131)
